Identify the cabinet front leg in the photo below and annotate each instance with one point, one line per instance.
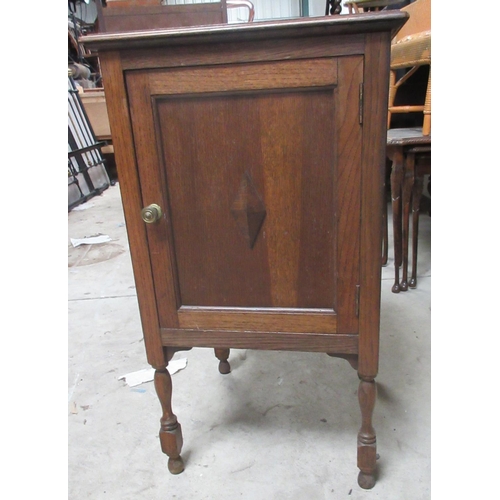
(367, 441)
(170, 430)
(222, 355)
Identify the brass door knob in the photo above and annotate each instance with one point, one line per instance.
(151, 214)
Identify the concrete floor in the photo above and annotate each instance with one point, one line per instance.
(282, 425)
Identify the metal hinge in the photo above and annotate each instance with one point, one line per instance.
(357, 300)
(360, 103)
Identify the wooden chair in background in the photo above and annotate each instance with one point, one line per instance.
(411, 49)
(408, 148)
(410, 153)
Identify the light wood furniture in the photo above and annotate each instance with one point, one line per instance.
(251, 164)
(359, 6)
(411, 49)
(94, 102)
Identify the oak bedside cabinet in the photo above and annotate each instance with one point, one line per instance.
(251, 162)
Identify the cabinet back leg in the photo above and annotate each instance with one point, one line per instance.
(222, 355)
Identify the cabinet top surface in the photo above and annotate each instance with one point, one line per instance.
(390, 21)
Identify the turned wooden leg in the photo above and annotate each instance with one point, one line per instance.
(170, 429)
(367, 441)
(396, 188)
(222, 355)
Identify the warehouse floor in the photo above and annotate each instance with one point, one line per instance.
(280, 426)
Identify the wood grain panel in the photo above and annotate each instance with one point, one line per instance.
(247, 51)
(281, 145)
(301, 320)
(224, 78)
(305, 342)
(317, 233)
(298, 181)
(290, 263)
(216, 267)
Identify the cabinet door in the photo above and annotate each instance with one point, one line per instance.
(256, 169)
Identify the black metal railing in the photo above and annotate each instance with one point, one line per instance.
(87, 175)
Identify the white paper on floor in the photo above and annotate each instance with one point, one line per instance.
(90, 240)
(84, 206)
(147, 375)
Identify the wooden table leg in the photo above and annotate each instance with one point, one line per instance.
(418, 188)
(396, 155)
(408, 181)
(385, 232)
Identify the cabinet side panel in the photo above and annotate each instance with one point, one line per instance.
(376, 84)
(116, 101)
(348, 199)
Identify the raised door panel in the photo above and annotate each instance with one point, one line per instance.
(251, 198)
(257, 169)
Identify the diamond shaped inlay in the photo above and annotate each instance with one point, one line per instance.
(248, 210)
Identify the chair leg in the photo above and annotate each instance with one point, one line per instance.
(408, 180)
(396, 185)
(385, 232)
(416, 198)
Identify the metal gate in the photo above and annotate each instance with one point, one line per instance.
(87, 174)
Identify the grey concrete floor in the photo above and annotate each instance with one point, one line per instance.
(281, 425)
